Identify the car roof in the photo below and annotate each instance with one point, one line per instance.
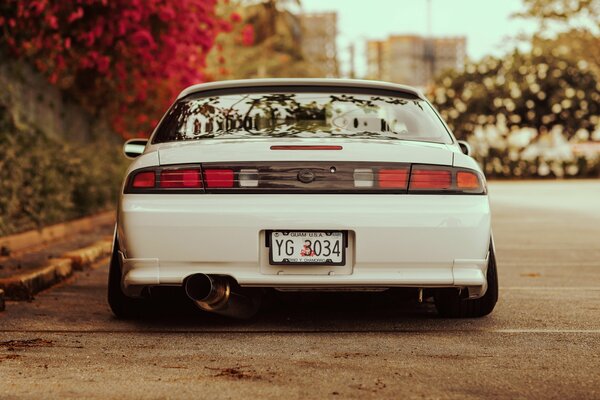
(351, 83)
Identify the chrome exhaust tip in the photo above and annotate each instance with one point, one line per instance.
(220, 295)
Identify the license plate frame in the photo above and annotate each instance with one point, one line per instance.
(344, 246)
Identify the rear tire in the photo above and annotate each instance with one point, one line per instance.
(450, 304)
(122, 306)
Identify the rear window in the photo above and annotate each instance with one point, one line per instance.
(302, 114)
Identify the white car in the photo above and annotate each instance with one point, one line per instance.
(302, 184)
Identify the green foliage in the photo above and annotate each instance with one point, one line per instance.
(524, 113)
(561, 10)
(578, 22)
(43, 181)
(574, 44)
(541, 89)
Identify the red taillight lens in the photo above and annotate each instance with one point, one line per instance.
(393, 178)
(430, 179)
(467, 180)
(181, 178)
(218, 178)
(145, 179)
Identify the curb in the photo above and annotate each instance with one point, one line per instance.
(83, 258)
(25, 241)
(23, 287)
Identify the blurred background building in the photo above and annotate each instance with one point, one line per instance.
(319, 42)
(412, 59)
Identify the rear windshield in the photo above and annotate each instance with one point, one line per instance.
(302, 115)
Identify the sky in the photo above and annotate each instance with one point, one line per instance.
(486, 23)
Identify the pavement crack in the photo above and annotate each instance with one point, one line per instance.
(237, 372)
(13, 345)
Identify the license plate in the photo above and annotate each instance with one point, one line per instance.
(307, 247)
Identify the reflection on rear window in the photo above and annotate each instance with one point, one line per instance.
(301, 115)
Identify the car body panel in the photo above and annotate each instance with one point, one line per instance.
(244, 84)
(396, 240)
(234, 150)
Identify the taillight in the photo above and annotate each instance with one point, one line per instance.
(181, 178)
(393, 178)
(248, 177)
(467, 180)
(432, 178)
(143, 180)
(169, 179)
(428, 178)
(219, 178)
(321, 177)
(363, 177)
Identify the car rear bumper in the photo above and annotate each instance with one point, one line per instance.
(393, 240)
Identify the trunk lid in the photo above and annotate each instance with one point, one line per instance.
(254, 150)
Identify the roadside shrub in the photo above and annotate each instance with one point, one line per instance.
(541, 89)
(527, 115)
(528, 153)
(44, 181)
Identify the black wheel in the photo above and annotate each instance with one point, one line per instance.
(122, 305)
(450, 303)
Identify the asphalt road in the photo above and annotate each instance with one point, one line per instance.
(542, 341)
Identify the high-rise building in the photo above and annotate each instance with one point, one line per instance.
(414, 60)
(319, 37)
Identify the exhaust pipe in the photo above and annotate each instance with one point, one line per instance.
(216, 294)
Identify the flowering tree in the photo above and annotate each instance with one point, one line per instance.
(561, 10)
(126, 59)
(540, 89)
(265, 41)
(523, 113)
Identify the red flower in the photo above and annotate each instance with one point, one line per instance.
(235, 17)
(226, 26)
(75, 15)
(53, 22)
(102, 63)
(166, 13)
(143, 38)
(248, 35)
